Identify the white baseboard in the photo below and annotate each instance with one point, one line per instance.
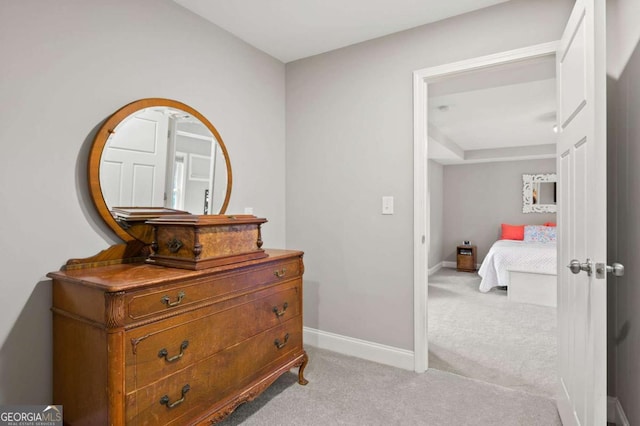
(435, 268)
(615, 413)
(383, 354)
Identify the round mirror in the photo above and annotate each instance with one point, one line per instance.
(156, 157)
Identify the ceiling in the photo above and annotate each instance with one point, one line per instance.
(295, 29)
(495, 114)
(504, 112)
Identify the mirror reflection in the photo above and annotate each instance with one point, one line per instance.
(544, 193)
(162, 156)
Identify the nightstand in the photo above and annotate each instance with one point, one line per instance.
(466, 258)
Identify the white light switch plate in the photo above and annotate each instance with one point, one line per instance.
(387, 205)
(248, 210)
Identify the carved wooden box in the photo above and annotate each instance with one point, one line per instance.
(199, 242)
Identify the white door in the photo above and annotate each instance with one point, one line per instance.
(582, 319)
(134, 161)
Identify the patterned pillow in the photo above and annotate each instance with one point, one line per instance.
(539, 234)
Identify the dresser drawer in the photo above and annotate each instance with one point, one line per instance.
(214, 378)
(169, 299)
(167, 346)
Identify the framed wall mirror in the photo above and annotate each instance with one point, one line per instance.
(156, 157)
(539, 193)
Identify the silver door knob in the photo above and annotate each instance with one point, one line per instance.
(616, 269)
(575, 266)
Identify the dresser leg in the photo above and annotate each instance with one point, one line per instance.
(301, 379)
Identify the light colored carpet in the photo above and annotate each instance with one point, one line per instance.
(486, 337)
(344, 390)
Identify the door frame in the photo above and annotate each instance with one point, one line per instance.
(421, 203)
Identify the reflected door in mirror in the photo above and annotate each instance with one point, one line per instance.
(134, 161)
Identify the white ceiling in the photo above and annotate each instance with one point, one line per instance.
(499, 113)
(495, 117)
(503, 112)
(294, 29)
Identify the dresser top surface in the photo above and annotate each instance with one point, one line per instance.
(131, 275)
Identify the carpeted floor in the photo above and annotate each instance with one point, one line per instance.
(344, 390)
(486, 337)
(492, 362)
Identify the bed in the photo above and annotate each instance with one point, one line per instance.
(526, 268)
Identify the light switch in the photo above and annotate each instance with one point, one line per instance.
(387, 205)
(248, 210)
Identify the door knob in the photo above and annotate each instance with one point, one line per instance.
(575, 266)
(616, 269)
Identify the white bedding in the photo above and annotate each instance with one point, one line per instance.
(506, 255)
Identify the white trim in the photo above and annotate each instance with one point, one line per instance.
(435, 269)
(371, 351)
(421, 237)
(615, 413)
(530, 52)
(421, 219)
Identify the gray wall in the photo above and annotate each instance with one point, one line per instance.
(480, 197)
(624, 235)
(436, 211)
(69, 64)
(66, 66)
(350, 142)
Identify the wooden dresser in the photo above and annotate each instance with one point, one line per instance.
(139, 344)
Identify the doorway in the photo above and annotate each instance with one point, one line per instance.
(422, 79)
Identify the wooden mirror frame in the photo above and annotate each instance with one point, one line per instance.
(100, 142)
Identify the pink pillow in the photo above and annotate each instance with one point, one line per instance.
(512, 232)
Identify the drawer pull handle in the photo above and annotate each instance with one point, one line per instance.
(280, 313)
(174, 245)
(281, 273)
(170, 304)
(164, 352)
(283, 344)
(165, 399)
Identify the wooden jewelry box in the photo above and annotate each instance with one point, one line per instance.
(200, 242)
